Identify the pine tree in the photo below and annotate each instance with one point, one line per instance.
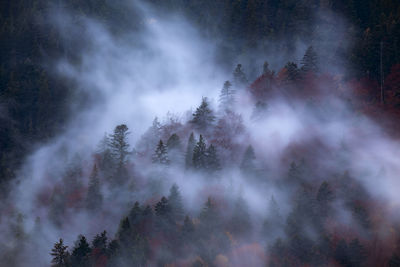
(309, 63)
(240, 221)
(174, 143)
(106, 162)
(163, 208)
(266, 70)
(189, 151)
(161, 154)
(226, 97)
(292, 72)
(60, 254)
(239, 77)
(203, 117)
(150, 137)
(200, 155)
(187, 229)
(248, 161)
(80, 253)
(209, 217)
(174, 148)
(100, 242)
(119, 144)
(213, 163)
(135, 214)
(176, 204)
(94, 198)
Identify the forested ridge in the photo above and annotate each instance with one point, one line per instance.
(188, 193)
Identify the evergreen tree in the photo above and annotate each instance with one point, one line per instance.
(100, 242)
(209, 218)
(60, 254)
(239, 77)
(119, 144)
(203, 117)
(226, 97)
(240, 221)
(174, 148)
(174, 143)
(248, 161)
(176, 204)
(292, 72)
(273, 224)
(135, 214)
(187, 229)
(189, 151)
(106, 162)
(266, 70)
(200, 155)
(80, 253)
(94, 198)
(150, 137)
(163, 208)
(213, 163)
(161, 154)
(309, 62)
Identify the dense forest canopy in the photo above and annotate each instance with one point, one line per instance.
(199, 133)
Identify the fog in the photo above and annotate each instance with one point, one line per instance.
(166, 67)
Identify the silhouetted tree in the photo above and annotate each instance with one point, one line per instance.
(248, 161)
(203, 117)
(119, 144)
(213, 163)
(60, 254)
(160, 155)
(309, 62)
(94, 198)
(189, 151)
(80, 253)
(175, 202)
(239, 77)
(226, 97)
(200, 155)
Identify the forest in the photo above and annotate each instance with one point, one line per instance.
(199, 133)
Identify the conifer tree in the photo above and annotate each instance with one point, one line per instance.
(176, 204)
(174, 148)
(213, 163)
(189, 151)
(266, 70)
(309, 62)
(226, 97)
(94, 198)
(248, 161)
(209, 217)
(239, 77)
(135, 214)
(203, 117)
(80, 253)
(163, 207)
(200, 155)
(100, 242)
(240, 221)
(60, 254)
(292, 72)
(174, 142)
(119, 144)
(161, 154)
(187, 229)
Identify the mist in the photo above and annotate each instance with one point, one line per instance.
(162, 69)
